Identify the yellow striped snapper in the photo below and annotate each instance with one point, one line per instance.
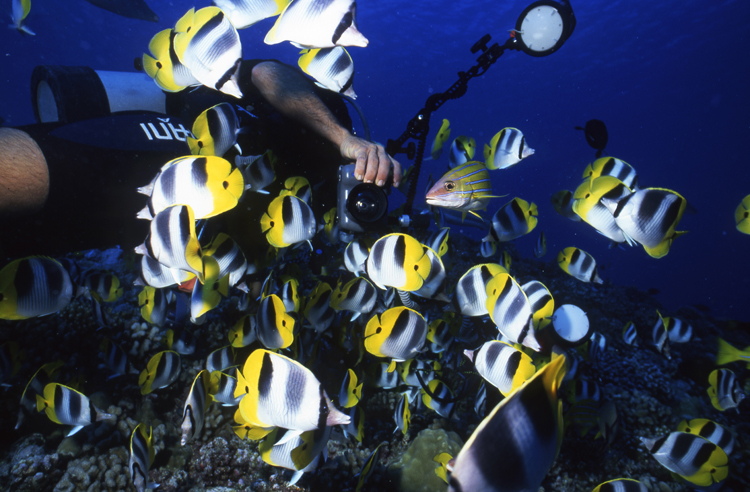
(312, 24)
(465, 188)
(43, 376)
(649, 217)
(692, 457)
(710, 430)
(526, 457)
(20, 10)
(610, 166)
(506, 149)
(222, 387)
(579, 264)
(399, 261)
(289, 220)
(141, 457)
(208, 45)
(282, 392)
(215, 131)
(208, 184)
(502, 365)
(161, 371)
(462, 151)
(398, 333)
(66, 406)
(588, 204)
(257, 170)
(172, 241)
(245, 13)
(164, 66)
(332, 68)
(196, 405)
(724, 390)
(510, 310)
(512, 220)
(34, 286)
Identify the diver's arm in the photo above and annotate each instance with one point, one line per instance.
(290, 93)
(24, 176)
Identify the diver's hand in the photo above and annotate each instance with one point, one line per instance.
(373, 163)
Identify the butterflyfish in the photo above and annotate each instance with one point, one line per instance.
(506, 149)
(215, 131)
(399, 333)
(742, 215)
(502, 365)
(274, 326)
(66, 406)
(708, 429)
(512, 220)
(461, 151)
(587, 204)
(20, 10)
(441, 137)
(610, 166)
(245, 13)
(318, 24)
(724, 390)
(332, 68)
(196, 405)
(288, 221)
(399, 261)
(579, 264)
(161, 371)
(164, 66)
(142, 456)
(510, 310)
(695, 459)
(34, 286)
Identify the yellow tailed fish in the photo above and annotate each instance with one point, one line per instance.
(541, 246)
(34, 286)
(66, 406)
(442, 470)
(297, 186)
(402, 415)
(142, 456)
(695, 459)
(534, 407)
(258, 170)
(742, 215)
(301, 453)
(462, 151)
(369, 466)
(724, 390)
(245, 429)
(512, 220)
(399, 261)
(161, 371)
(621, 485)
(164, 66)
(726, 354)
(243, 332)
(104, 287)
(610, 166)
(231, 260)
(21, 9)
(442, 136)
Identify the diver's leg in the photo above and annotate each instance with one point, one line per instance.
(24, 177)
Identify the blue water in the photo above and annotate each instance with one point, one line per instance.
(669, 79)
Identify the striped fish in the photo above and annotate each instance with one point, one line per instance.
(357, 295)
(649, 217)
(215, 131)
(34, 286)
(610, 166)
(399, 261)
(708, 429)
(274, 326)
(332, 68)
(245, 13)
(465, 188)
(630, 334)
(470, 297)
(355, 255)
(281, 392)
(506, 149)
(621, 485)
(462, 151)
(316, 24)
(502, 365)
(526, 456)
(541, 246)
(210, 185)
(196, 405)
(222, 388)
(579, 264)
(67, 406)
(398, 333)
(231, 260)
(301, 453)
(164, 66)
(660, 338)
(172, 241)
(725, 391)
(142, 456)
(510, 310)
(512, 220)
(692, 457)
(288, 221)
(161, 371)
(587, 204)
(562, 202)
(542, 303)
(209, 46)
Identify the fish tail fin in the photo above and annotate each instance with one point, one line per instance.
(726, 353)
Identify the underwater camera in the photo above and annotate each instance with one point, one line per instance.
(361, 206)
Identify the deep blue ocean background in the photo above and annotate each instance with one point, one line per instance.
(669, 78)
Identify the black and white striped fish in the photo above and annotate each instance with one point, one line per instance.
(510, 310)
(697, 460)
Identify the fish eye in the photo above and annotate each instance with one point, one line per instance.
(283, 323)
(588, 195)
(449, 185)
(379, 329)
(200, 144)
(247, 390)
(271, 223)
(158, 64)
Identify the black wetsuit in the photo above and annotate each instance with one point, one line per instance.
(96, 165)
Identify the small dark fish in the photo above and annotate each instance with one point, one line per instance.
(596, 135)
(133, 9)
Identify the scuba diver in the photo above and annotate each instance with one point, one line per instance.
(70, 185)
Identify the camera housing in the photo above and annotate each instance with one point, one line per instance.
(361, 206)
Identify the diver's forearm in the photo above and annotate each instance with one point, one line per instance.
(291, 94)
